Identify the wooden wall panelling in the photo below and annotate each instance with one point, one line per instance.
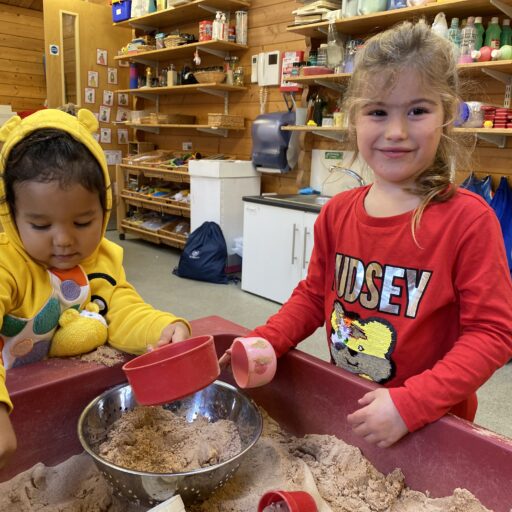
(22, 79)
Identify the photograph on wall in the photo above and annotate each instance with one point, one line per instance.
(90, 95)
(108, 98)
(106, 135)
(112, 76)
(122, 99)
(122, 136)
(104, 114)
(101, 57)
(92, 78)
(113, 156)
(123, 114)
(96, 136)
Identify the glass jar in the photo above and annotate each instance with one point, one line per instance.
(238, 76)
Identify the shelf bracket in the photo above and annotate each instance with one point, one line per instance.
(498, 75)
(217, 53)
(146, 96)
(149, 129)
(497, 140)
(331, 85)
(208, 8)
(222, 94)
(145, 28)
(223, 132)
(330, 135)
(146, 62)
(503, 7)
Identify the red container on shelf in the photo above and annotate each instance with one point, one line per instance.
(205, 30)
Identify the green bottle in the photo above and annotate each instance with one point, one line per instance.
(480, 31)
(493, 34)
(506, 33)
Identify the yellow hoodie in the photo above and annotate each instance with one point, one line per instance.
(32, 297)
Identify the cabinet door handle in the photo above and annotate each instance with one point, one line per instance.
(304, 262)
(295, 229)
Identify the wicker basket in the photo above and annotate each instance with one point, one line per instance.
(210, 77)
(225, 121)
(172, 41)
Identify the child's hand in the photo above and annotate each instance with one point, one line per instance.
(379, 421)
(7, 436)
(177, 331)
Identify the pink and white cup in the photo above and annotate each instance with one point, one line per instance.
(253, 361)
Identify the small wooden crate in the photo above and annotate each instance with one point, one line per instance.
(225, 121)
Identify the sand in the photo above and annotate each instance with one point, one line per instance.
(157, 440)
(336, 474)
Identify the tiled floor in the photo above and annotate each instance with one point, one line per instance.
(148, 268)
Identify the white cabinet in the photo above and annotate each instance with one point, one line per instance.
(277, 248)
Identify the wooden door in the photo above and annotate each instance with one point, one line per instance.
(91, 31)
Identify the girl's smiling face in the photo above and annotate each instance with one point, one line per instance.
(59, 228)
(398, 131)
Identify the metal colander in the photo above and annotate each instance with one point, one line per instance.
(217, 401)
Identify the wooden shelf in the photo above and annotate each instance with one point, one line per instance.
(185, 50)
(376, 22)
(486, 131)
(154, 236)
(155, 205)
(175, 175)
(182, 126)
(184, 89)
(190, 11)
(502, 66)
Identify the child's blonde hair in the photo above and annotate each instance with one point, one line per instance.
(412, 46)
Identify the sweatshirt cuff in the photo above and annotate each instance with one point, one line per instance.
(408, 408)
(4, 395)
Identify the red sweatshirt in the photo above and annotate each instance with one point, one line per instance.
(430, 320)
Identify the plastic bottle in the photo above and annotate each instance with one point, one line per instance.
(493, 34)
(217, 27)
(506, 33)
(467, 42)
(480, 31)
(321, 59)
(503, 53)
(225, 27)
(440, 25)
(454, 34)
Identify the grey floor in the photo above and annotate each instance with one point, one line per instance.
(148, 267)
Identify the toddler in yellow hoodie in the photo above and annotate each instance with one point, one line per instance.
(55, 200)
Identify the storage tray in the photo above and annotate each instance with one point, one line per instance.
(225, 121)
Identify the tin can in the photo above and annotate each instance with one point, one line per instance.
(205, 30)
(241, 27)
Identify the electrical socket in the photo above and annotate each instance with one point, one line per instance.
(186, 146)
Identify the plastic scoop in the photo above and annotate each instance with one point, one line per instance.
(173, 371)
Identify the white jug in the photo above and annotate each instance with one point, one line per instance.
(370, 6)
(349, 8)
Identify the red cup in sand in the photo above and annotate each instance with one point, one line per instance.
(173, 371)
(253, 362)
(287, 501)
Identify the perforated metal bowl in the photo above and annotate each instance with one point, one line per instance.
(217, 401)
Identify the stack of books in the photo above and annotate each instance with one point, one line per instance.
(314, 12)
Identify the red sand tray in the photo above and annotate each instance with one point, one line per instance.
(307, 396)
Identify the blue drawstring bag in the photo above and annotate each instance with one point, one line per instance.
(502, 205)
(204, 255)
(482, 187)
